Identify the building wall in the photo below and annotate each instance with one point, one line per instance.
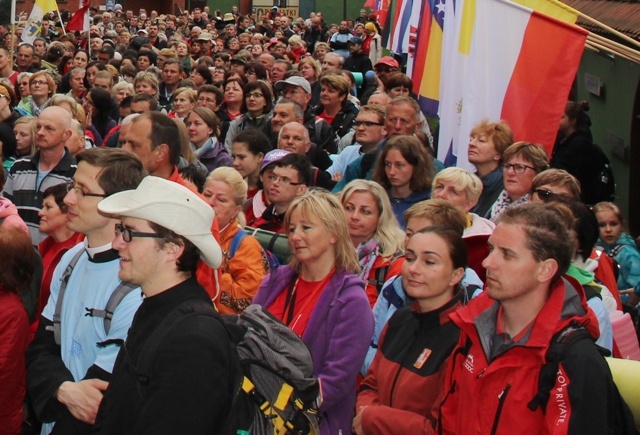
(614, 121)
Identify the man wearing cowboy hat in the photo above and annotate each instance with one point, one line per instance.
(186, 379)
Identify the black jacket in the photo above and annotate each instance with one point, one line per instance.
(345, 118)
(188, 385)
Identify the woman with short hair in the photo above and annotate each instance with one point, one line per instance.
(203, 127)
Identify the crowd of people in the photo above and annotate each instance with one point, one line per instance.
(143, 162)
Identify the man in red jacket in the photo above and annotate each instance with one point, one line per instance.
(506, 332)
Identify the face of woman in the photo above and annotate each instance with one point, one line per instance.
(39, 87)
(87, 105)
(234, 45)
(610, 226)
(517, 185)
(182, 105)
(221, 198)
(91, 75)
(256, 102)
(482, 149)
(183, 50)
(23, 139)
(310, 241)
(453, 194)
(145, 88)
(77, 83)
(143, 63)
(398, 170)
(125, 38)
(566, 126)
(122, 94)
(199, 131)
(256, 50)
(198, 80)
(51, 217)
(308, 72)
(23, 86)
(233, 92)
(218, 75)
(428, 274)
(399, 91)
(362, 216)
(244, 161)
(320, 52)
(80, 60)
(329, 97)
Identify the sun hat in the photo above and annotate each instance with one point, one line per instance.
(173, 207)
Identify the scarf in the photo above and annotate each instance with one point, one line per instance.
(35, 109)
(367, 254)
(504, 202)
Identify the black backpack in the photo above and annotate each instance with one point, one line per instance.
(602, 185)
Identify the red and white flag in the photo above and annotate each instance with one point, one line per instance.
(80, 19)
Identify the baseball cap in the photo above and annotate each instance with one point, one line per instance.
(171, 206)
(204, 36)
(389, 61)
(238, 58)
(272, 157)
(356, 40)
(143, 31)
(295, 81)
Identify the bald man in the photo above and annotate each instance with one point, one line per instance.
(52, 164)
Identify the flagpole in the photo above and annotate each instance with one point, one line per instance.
(609, 29)
(64, 32)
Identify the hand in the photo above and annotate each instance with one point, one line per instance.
(337, 177)
(83, 398)
(357, 422)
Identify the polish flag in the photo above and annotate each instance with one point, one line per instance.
(80, 19)
(511, 63)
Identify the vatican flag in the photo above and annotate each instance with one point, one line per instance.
(32, 28)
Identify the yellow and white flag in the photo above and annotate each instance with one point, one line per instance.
(32, 28)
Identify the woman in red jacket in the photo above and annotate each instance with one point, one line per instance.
(16, 269)
(401, 390)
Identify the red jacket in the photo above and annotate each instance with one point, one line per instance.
(485, 397)
(404, 384)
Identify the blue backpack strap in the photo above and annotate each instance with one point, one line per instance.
(235, 243)
(56, 327)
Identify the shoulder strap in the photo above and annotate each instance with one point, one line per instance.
(118, 294)
(188, 308)
(64, 280)
(560, 345)
(235, 242)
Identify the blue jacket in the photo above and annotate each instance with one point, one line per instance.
(338, 334)
(626, 254)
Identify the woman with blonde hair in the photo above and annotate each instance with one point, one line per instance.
(462, 189)
(243, 262)
(374, 232)
(25, 130)
(184, 101)
(310, 69)
(321, 298)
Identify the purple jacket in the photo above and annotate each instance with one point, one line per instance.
(338, 335)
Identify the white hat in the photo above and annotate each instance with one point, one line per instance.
(171, 206)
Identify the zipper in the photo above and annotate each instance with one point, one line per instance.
(502, 397)
(444, 399)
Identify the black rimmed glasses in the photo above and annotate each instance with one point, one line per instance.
(128, 234)
(517, 168)
(81, 193)
(367, 123)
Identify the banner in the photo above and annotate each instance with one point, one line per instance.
(520, 70)
(32, 27)
(80, 20)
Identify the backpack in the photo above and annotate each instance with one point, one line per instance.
(602, 186)
(118, 294)
(274, 244)
(561, 342)
(278, 393)
(268, 255)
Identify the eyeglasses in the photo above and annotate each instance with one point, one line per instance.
(517, 168)
(367, 123)
(128, 234)
(81, 193)
(39, 82)
(255, 95)
(284, 180)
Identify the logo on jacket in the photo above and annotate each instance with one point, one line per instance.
(468, 363)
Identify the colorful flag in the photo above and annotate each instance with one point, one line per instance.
(32, 28)
(520, 70)
(80, 19)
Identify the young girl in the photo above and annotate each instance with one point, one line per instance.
(248, 150)
(621, 247)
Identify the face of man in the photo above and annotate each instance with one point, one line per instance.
(512, 271)
(278, 71)
(153, 31)
(140, 106)
(102, 82)
(344, 26)
(283, 113)
(401, 120)
(208, 100)
(5, 59)
(139, 143)
(370, 129)
(104, 58)
(40, 47)
(230, 31)
(24, 57)
(266, 60)
(330, 62)
(75, 143)
(96, 44)
(285, 187)
(82, 214)
(297, 94)
(354, 48)
(51, 131)
(171, 74)
(294, 138)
